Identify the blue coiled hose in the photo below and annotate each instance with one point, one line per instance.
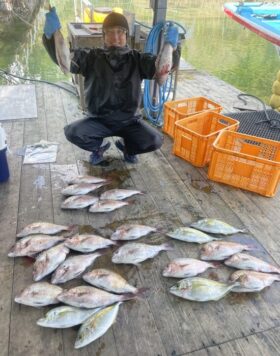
(154, 107)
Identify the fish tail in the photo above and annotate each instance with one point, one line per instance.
(102, 251)
(215, 264)
(167, 246)
(128, 296)
(142, 292)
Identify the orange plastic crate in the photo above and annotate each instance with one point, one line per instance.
(195, 135)
(179, 109)
(246, 162)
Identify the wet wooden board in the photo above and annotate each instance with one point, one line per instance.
(175, 194)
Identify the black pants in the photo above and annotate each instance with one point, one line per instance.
(139, 136)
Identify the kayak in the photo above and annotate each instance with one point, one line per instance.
(260, 17)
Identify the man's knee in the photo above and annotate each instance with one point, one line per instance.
(69, 133)
(158, 141)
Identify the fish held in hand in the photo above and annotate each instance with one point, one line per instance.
(118, 194)
(164, 63)
(110, 281)
(48, 261)
(189, 234)
(62, 52)
(187, 267)
(39, 295)
(201, 289)
(96, 326)
(88, 243)
(42, 228)
(106, 206)
(134, 252)
(248, 262)
(66, 317)
(215, 226)
(33, 244)
(86, 179)
(221, 250)
(79, 202)
(251, 281)
(131, 232)
(81, 188)
(91, 297)
(73, 267)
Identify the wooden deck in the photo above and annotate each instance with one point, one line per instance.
(176, 194)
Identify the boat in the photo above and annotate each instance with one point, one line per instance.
(260, 17)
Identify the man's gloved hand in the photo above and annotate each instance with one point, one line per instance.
(172, 35)
(52, 23)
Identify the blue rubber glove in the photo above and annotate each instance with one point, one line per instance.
(52, 23)
(172, 35)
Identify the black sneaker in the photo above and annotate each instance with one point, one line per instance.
(128, 158)
(96, 156)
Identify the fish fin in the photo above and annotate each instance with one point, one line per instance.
(216, 264)
(128, 296)
(142, 292)
(102, 251)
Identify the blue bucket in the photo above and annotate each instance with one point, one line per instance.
(4, 168)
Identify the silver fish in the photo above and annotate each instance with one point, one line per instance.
(221, 250)
(164, 63)
(66, 317)
(186, 267)
(81, 188)
(48, 261)
(109, 280)
(134, 252)
(79, 202)
(251, 281)
(90, 297)
(188, 234)
(86, 179)
(33, 244)
(201, 289)
(131, 232)
(105, 206)
(39, 295)
(42, 228)
(118, 194)
(62, 52)
(73, 267)
(214, 226)
(245, 261)
(96, 326)
(88, 243)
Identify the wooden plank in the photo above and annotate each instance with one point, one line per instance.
(35, 203)
(265, 343)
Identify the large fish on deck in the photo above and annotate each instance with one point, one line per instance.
(90, 297)
(48, 261)
(118, 194)
(131, 232)
(164, 63)
(66, 317)
(214, 226)
(110, 281)
(106, 206)
(221, 250)
(39, 295)
(251, 281)
(201, 289)
(245, 261)
(33, 244)
(42, 228)
(81, 188)
(186, 267)
(188, 234)
(96, 326)
(88, 243)
(79, 202)
(134, 252)
(73, 267)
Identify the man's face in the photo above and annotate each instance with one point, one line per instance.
(115, 36)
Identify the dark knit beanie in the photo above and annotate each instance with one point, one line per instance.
(115, 19)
